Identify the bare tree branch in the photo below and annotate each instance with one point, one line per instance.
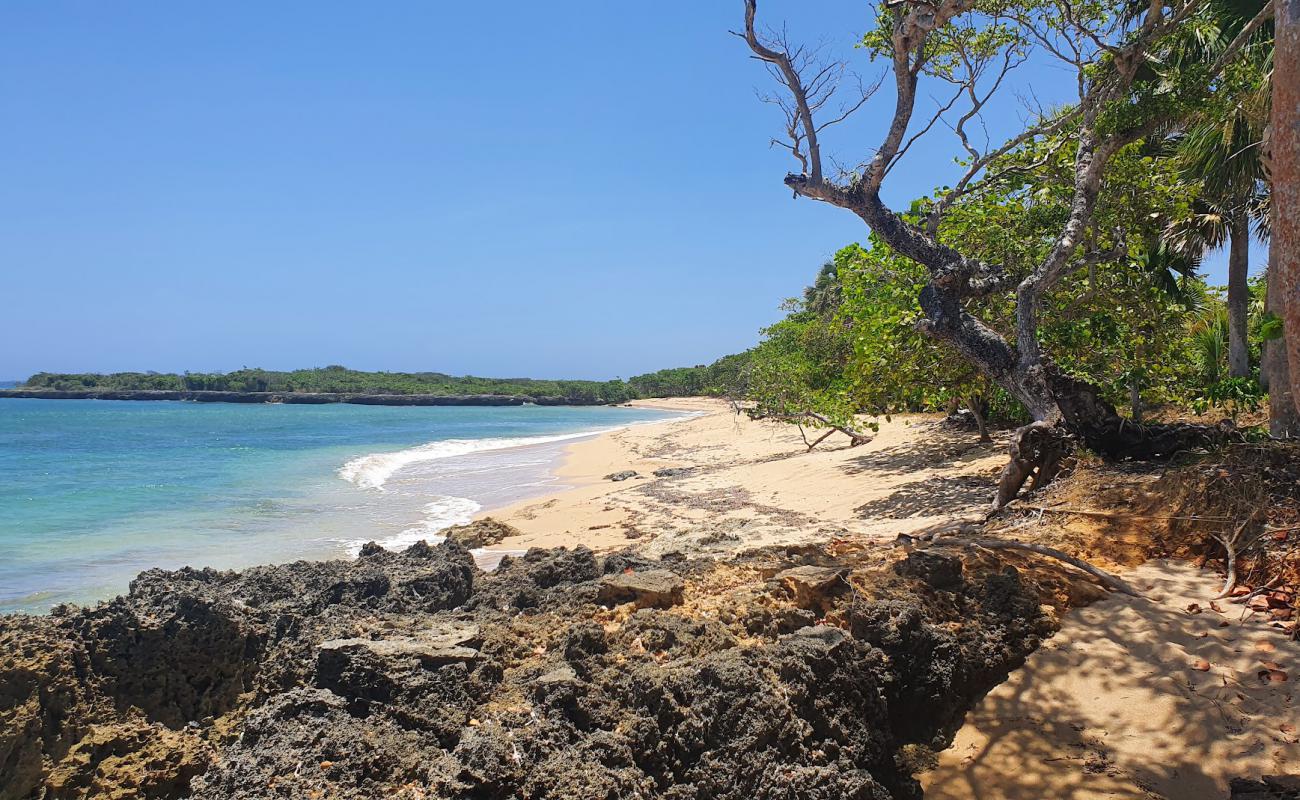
(802, 113)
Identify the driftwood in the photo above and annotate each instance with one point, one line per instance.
(1087, 512)
(1109, 580)
(816, 441)
(1268, 587)
(857, 437)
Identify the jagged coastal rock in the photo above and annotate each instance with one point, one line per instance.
(559, 675)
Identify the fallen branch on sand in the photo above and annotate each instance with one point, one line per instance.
(1109, 580)
(856, 437)
(1230, 546)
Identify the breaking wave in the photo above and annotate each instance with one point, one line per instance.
(373, 471)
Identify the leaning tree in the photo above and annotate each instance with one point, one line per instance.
(970, 47)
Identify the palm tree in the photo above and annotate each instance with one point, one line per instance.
(1225, 157)
(1220, 149)
(826, 293)
(1286, 175)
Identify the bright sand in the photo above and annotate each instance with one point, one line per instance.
(753, 483)
(1115, 707)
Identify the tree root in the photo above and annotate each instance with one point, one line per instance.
(1109, 580)
(1096, 423)
(1257, 591)
(1037, 451)
(1230, 546)
(1229, 582)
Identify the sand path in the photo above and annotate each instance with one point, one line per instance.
(1111, 707)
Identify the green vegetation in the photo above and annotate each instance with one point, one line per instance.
(712, 379)
(1058, 268)
(722, 378)
(335, 379)
(1147, 343)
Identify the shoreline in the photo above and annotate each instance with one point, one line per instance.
(297, 398)
(582, 458)
(320, 500)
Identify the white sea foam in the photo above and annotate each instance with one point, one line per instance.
(439, 514)
(373, 471)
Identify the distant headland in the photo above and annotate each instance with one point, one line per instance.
(336, 384)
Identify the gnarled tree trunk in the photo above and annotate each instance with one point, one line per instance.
(1062, 409)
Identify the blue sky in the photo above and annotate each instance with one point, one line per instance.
(581, 189)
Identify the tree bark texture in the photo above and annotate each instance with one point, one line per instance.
(1285, 163)
(1238, 295)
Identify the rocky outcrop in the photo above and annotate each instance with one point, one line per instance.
(1271, 787)
(480, 533)
(937, 570)
(811, 586)
(654, 588)
(560, 675)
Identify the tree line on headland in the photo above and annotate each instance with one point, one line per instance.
(702, 380)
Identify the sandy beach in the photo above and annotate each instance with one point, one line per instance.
(753, 483)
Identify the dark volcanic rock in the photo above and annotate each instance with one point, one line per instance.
(414, 675)
(672, 472)
(1001, 624)
(938, 570)
(657, 588)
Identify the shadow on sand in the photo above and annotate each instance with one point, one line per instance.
(1112, 707)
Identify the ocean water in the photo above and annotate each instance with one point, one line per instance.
(94, 491)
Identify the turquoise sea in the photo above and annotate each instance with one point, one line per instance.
(94, 491)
